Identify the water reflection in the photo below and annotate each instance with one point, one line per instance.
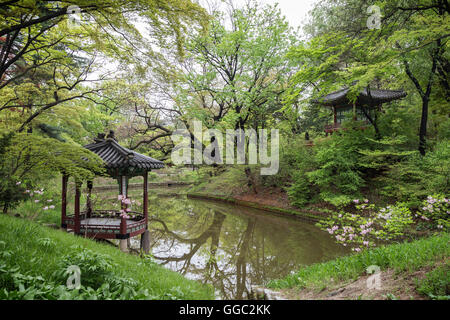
(232, 247)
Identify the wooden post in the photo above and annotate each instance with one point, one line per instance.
(64, 201)
(88, 200)
(77, 207)
(123, 245)
(145, 242)
(145, 200)
(335, 117)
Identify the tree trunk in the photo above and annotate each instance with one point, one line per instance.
(250, 179)
(423, 126)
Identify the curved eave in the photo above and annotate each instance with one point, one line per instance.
(374, 98)
(117, 157)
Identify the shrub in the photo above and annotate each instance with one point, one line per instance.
(338, 170)
(369, 227)
(436, 285)
(414, 178)
(435, 210)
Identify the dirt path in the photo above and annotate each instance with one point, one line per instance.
(392, 286)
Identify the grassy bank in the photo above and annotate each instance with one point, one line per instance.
(39, 256)
(426, 257)
(304, 215)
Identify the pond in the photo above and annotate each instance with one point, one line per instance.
(232, 247)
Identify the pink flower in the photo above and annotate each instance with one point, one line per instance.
(356, 201)
(120, 197)
(36, 201)
(45, 208)
(366, 200)
(125, 216)
(52, 207)
(126, 201)
(50, 200)
(18, 183)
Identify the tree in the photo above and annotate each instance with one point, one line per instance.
(28, 158)
(41, 54)
(344, 49)
(232, 76)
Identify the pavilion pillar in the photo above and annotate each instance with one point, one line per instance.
(145, 242)
(77, 221)
(64, 201)
(145, 237)
(88, 200)
(354, 111)
(123, 245)
(335, 117)
(145, 200)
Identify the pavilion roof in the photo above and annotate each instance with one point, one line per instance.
(369, 97)
(120, 160)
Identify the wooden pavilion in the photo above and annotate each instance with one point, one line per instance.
(368, 102)
(121, 164)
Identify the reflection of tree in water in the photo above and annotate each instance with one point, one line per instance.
(234, 250)
(220, 276)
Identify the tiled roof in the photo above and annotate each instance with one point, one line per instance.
(366, 97)
(117, 157)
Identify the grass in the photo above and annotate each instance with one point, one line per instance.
(38, 251)
(404, 257)
(229, 181)
(436, 285)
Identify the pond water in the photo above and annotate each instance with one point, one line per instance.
(232, 247)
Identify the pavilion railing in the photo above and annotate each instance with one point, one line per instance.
(332, 127)
(135, 223)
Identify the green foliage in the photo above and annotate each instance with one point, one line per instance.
(26, 160)
(436, 211)
(436, 285)
(366, 228)
(296, 160)
(415, 177)
(338, 170)
(404, 257)
(34, 260)
(223, 181)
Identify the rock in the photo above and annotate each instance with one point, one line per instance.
(331, 294)
(261, 293)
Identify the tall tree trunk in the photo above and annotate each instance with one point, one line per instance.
(423, 126)
(425, 94)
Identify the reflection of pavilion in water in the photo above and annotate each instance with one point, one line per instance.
(230, 268)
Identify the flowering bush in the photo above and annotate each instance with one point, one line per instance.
(436, 211)
(368, 227)
(125, 203)
(38, 202)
